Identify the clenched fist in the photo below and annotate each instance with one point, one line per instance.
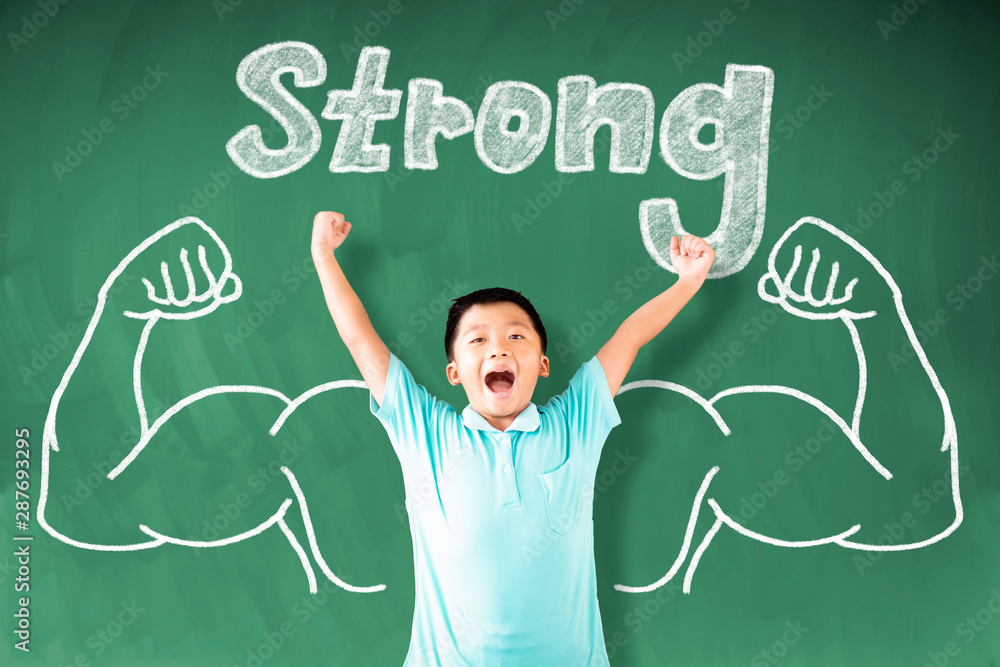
(329, 231)
(691, 256)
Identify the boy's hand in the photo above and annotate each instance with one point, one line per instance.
(329, 231)
(692, 257)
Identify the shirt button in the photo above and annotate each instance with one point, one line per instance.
(506, 469)
(506, 440)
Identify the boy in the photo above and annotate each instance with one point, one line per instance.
(500, 497)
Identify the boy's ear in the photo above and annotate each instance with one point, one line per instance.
(451, 370)
(543, 370)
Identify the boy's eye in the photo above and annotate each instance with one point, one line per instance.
(481, 338)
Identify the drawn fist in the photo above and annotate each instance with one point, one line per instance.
(178, 291)
(848, 287)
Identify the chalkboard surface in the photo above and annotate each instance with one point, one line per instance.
(802, 476)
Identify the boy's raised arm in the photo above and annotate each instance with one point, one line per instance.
(692, 258)
(369, 352)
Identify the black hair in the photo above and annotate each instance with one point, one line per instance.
(485, 296)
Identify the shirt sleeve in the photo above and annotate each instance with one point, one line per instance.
(589, 408)
(408, 411)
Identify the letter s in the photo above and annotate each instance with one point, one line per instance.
(258, 77)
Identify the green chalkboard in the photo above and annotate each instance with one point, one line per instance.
(806, 517)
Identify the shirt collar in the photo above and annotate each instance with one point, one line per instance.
(526, 420)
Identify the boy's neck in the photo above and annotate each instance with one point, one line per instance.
(501, 423)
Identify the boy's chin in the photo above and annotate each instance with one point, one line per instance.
(504, 408)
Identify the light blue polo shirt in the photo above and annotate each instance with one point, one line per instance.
(502, 524)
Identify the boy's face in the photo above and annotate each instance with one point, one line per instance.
(498, 360)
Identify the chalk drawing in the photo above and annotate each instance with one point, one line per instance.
(829, 307)
(430, 112)
(741, 115)
(166, 308)
(509, 151)
(360, 108)
(259, 77)
(583, 107)
(165, 303)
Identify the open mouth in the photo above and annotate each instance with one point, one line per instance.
(500, 383)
